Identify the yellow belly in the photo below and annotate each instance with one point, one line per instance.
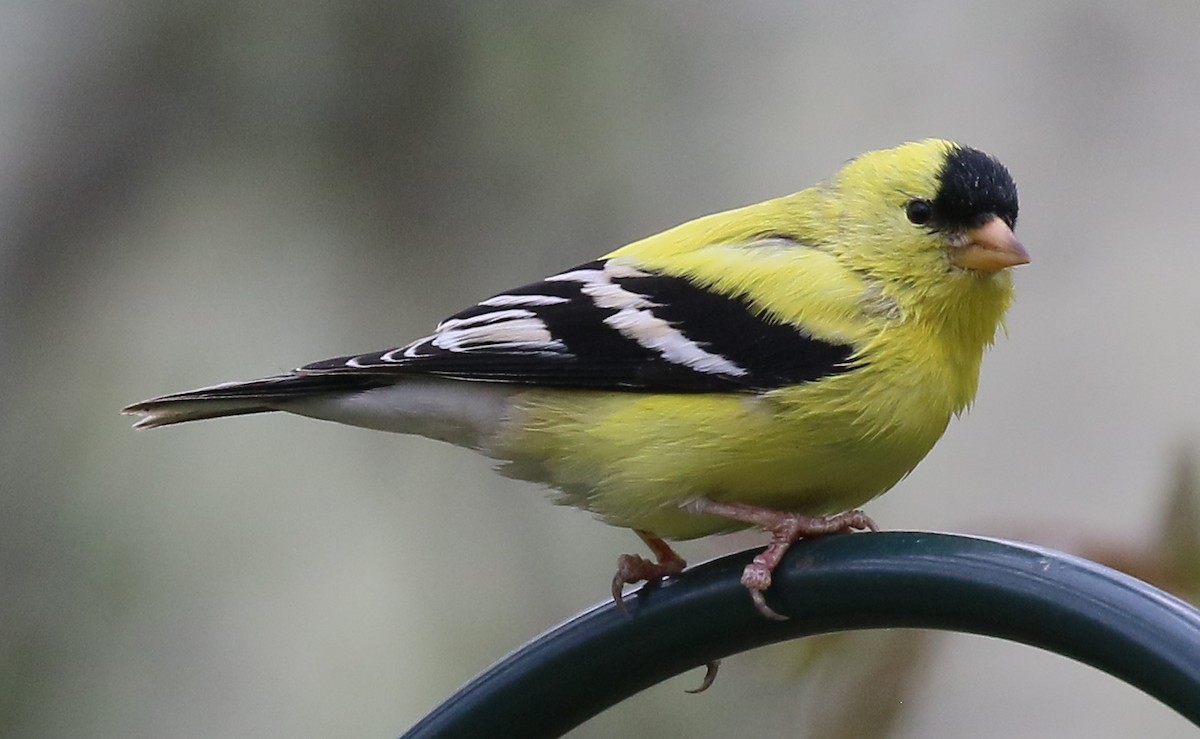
(633, 459)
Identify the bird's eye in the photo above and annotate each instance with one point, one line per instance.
(919, 211)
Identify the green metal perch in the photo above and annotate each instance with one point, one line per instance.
(1018, 592)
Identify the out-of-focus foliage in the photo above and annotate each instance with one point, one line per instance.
(208, 190)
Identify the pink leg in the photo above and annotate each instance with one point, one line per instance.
(785, 529)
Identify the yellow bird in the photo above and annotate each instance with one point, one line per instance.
(777, 365)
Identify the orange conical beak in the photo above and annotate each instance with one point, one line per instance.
(989, 248)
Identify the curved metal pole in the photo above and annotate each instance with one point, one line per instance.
(1026, 594)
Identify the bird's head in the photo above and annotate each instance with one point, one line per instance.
(924, 209)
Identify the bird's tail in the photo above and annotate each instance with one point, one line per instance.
(241, 398)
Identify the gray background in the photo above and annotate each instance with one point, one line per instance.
(201, 191)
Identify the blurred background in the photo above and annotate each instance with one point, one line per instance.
(210, 190)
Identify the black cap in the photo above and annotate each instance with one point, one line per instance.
(974, 187)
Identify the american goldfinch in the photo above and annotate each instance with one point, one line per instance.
(777, 365)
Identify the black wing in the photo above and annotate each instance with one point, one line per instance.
(607, 325)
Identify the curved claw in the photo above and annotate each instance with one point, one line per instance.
(618, 592)
(760, 603)
(710, 674)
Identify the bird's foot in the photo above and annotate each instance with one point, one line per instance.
(634, 568)
(785, 529)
